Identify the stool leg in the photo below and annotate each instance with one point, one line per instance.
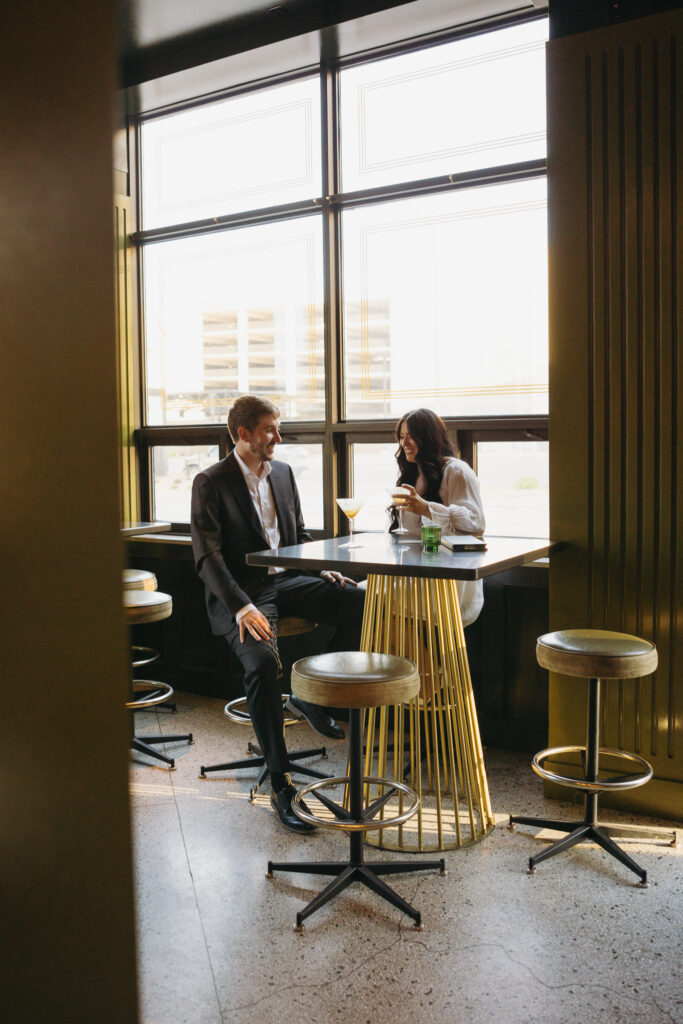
(577, 835)
(616, 851)
(259, 760)
(143, 748)
(668, 836)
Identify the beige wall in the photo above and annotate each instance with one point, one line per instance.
(614, 168)
(65, 861)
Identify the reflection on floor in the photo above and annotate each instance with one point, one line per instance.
(576, 942)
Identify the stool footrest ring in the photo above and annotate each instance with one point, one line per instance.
(161, 692)
(599, 785)
(346, 823)
(237, 710)
(143, 655)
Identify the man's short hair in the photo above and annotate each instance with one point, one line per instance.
(247, 411)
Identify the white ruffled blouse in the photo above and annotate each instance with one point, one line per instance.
(460, 511)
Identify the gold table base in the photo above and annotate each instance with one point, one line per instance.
(431, 743)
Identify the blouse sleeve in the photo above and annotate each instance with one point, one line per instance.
(462, 510)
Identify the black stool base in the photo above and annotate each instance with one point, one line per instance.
(367, 874)
(358, 819)
(170, 707)
(143, 746)
(259, 761)
(577, 832)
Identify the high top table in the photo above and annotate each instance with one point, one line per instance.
(412, 609)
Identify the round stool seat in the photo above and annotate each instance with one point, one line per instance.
(139, 579)
(355, 679)
(146, 606)
(596, 653)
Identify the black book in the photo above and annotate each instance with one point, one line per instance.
(463, 542)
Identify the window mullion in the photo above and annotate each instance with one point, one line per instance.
(335, 471)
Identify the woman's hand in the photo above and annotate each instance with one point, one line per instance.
(414, 503)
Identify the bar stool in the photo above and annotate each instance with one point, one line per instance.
(237, 711)
(356, 680)
(598, 655)
(143, 579)
(143, 606)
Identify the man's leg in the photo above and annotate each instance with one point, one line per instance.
(264, 698)
(326, 603)
(263, 691)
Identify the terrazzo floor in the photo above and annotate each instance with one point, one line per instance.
(576, 942)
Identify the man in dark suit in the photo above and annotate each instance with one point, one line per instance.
(248, 502)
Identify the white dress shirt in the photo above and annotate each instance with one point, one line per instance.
(262, 497)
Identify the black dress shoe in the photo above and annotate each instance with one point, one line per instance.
(316, 717)
(282, 802)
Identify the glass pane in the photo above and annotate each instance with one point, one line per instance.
(260, 149)
(475, 102)
(234, 312)
(513, 476)
(374, 469)
(306, 461)
(173, 470)
(446, 303)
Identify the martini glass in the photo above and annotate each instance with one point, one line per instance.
(350, 507)
(399, 495)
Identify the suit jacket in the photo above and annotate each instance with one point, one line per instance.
(225, 528)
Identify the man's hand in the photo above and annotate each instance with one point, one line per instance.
(257, 624)
(336, 577)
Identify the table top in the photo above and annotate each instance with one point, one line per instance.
(132, 529)
(385, 554)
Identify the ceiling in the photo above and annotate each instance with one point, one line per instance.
(163, 37)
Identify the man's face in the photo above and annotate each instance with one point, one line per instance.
(264, 437)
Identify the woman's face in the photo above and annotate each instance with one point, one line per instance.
(406, 442)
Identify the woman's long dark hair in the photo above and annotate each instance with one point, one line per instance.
(434, 446)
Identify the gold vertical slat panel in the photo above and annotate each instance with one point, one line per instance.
(614, 168)
(130, 506)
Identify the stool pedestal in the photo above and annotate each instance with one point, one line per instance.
(356, 820)
(356, 680)
(599, 655)
(587, 830)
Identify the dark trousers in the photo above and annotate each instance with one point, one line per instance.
(309, 598)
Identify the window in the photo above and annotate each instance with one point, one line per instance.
(446, 303)
(257, 150)
(234, 312)
(476, 102)
(419, 281)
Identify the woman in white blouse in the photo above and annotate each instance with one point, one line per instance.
(443, 491)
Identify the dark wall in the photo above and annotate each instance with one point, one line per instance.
(567, 17)
(68, 949)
